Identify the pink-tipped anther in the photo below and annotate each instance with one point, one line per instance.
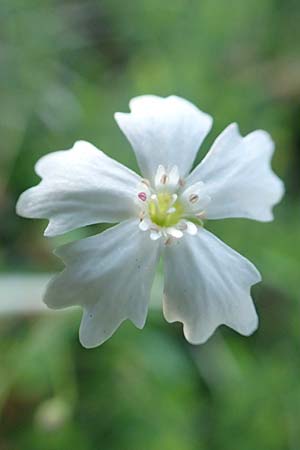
(142, 196)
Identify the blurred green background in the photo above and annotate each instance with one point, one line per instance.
(66, 67)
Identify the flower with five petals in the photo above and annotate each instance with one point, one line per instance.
(161, 213)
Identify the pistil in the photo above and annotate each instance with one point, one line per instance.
(165, 209)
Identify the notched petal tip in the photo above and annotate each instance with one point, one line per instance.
(123, 120)
(87, 345)
(262, 139)
(117, 115)
(137, 322)
(87, 338)
(80, 186)
(251, 328)
(49, 232)
(81, 142)
(98, 278)
(53, 159)
(145, 102)
(215, 291)
(233, 128)
(22, 205)
(239, 176)
(193, 340)
(121, 117)
(246, 330)
(52, 296)
(91, 335)
(280, 189)
(27, 206)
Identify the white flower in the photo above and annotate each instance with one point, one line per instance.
(110, 274)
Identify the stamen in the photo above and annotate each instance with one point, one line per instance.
(200, 215)
(146, 182)
(191, 228)
(155, 200)
(169, 240)
(193, 198)
(168, 212)
(164, 179)
(145, 224)
(142, 196)
(161, 171)
(171, 210)
(182, 226)
(174, 232)
(154, 234)
(188, 227)
(173, 199)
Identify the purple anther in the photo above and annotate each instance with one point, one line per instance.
(142, 196)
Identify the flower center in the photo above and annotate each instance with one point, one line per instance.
(168, 210)
(165, 210)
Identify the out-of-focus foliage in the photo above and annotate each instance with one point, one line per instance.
(66, 66)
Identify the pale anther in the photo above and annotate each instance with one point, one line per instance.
(146, 182)
(168, 241)
(193, 198)
(164, 179)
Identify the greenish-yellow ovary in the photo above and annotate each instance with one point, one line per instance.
(158, 210)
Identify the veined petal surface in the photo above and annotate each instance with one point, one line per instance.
(238, 176)
(208, 284)
(164, 131)
(110, 275)
(80, 186)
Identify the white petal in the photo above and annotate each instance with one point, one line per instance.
(208, 284)
(238, 176)
(79, 187)
(164, 131)
(110, 275)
